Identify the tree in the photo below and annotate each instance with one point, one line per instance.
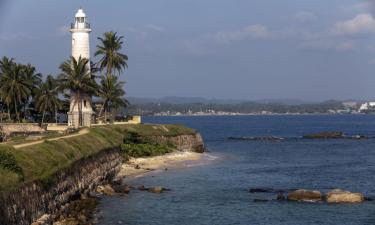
(112, 60)
(47, 97)
(112, 93)
(14, 88)
(5, 68)
(34, 80)
(77, 77)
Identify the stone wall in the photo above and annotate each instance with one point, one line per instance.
(11, 128)
(35, 199)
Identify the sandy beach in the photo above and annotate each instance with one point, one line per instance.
(138, 166)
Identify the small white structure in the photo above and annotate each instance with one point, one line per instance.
(80, 30)
(367, 106)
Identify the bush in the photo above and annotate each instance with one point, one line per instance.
(144, 150)
(8, 162)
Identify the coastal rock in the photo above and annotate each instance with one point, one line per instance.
(261, 190)
(156, 190)
(122, 189)
(325, 135)
(106, 189)
(341, 196)
(305, 195)
(265, 138)
(44, 220)
(280, 196)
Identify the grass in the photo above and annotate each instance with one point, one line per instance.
(145, 150)
(41, 161)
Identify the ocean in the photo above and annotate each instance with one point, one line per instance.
(215, 190)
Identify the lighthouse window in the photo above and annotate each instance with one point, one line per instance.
(84, 103)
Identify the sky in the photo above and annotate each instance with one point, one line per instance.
(224, 49)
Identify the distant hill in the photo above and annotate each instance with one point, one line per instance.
(190, 100)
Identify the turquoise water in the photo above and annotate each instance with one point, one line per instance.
(216, 191)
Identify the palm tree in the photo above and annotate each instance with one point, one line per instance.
(47, 97)
(77, 78)
(5, 68)
(112, 60)
(111, 91)
(34, 79)
(14, 87)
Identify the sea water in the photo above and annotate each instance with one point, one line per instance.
(215, 190)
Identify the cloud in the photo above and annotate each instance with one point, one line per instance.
(155, 27)
(254, 32)
(63, 30)
(360, 24)
(305, 17)
(326, 44)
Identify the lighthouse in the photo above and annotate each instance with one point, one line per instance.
(80, 30)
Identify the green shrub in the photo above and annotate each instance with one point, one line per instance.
(8, 162)
(144, 150)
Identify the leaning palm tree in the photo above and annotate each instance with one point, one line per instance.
(77, 78)
(14, 87)
(112, 94)
(111, 59)
(34, 79)
(47, 97)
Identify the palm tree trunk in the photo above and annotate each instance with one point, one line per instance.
(102, 108)
(24, 110)
(44, 112)
(16, 110)
(56, 115)
(9, 118)
(79, 108)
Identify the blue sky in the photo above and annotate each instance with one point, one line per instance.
(233, 49)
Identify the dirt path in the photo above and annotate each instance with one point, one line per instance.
(81, 132)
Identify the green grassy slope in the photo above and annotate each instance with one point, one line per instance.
(41, 161)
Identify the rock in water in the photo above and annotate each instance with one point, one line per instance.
(106, 189)
(341, 196)
(325, 135)
(156, 190)
(280, 196)
(305, 195)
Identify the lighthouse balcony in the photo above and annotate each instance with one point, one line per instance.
(80, 26)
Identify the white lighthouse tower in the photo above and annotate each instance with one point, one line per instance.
(80, 30)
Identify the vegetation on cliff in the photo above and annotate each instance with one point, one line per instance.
(41, 161)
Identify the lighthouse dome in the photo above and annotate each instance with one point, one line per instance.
(80, 13)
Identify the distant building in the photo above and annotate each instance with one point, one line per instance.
(367, 107)
(350, 105)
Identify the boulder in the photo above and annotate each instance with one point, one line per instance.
(123, 189)
(341, 196)
(325, 135)
(280, 196)
(156, 190)
(106, 189)
(305, 195)
(261, 190)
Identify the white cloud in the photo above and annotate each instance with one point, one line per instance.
(360, 24)
(63, 30)
(304, 17)
(254, 32)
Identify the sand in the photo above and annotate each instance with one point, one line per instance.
(139, 166)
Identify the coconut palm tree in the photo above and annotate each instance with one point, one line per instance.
(112, 93)
(47, 97)
(34, 79)
(111, 59)
(5, 68)
(78, 79)
(14, 88)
